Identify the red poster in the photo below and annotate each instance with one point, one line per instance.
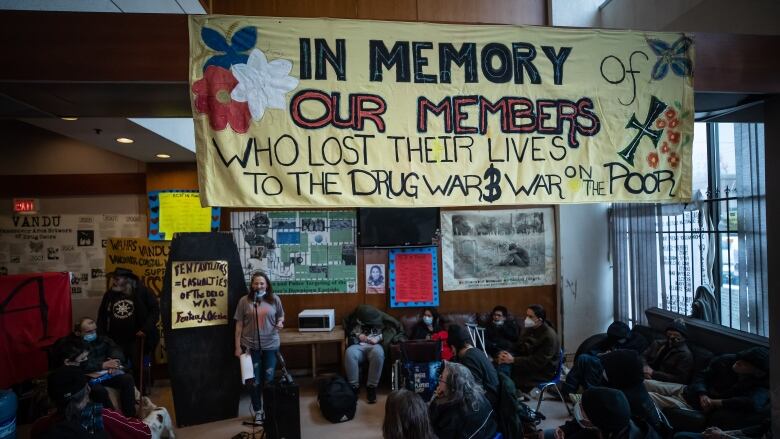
(413, 277)
(35, 311)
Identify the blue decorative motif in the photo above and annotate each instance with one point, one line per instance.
(234, 53)
(674, 56)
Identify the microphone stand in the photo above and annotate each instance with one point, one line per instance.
(257, 324)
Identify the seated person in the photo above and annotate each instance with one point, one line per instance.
(732, 391)
(69, 351)
(587, 368)
(501, 333)
(460, 409)
(78, 417)
(368, 330)
(406, 417)
(104, 363)
(475, 360)
(670, 360)
(537, 351)
(516, 256)
(623, 371)
(602, 414)
(429, 327)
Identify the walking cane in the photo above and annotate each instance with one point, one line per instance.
(141, 379)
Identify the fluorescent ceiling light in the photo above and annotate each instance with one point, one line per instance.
(124, 140)
(163, 156)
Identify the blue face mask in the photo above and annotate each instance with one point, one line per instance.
(428, 320)
(90, 337)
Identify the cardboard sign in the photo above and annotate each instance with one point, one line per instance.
(199, 294)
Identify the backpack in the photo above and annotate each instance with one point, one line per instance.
(337, 400)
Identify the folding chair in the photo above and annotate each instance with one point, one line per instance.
(553, 384)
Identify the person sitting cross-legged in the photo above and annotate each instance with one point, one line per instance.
(587, 369)
(670, 360)
(733, 391)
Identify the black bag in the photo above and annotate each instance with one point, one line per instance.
(337, 400)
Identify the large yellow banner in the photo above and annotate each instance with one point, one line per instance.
(296, 112)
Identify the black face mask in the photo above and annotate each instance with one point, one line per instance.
(673, 341)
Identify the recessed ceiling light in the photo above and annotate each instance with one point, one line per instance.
(69, 119)
(163, 156)
(124, 140)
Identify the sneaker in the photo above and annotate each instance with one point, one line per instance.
(371, 394)
(260, 417)
(356, 389)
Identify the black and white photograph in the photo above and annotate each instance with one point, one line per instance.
(498, 248)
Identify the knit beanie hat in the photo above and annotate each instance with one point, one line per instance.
(458, 336)
(679, 326)
(65, 382)
(623, 368)
(618, 330)
(757, 356)
(606, 408)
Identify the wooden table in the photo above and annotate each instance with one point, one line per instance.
(291, 336)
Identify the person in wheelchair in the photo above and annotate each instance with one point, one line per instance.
(429, 327)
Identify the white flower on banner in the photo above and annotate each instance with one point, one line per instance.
(262, 84)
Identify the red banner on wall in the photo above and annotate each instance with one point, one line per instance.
(35, 311)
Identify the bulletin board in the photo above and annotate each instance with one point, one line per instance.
(414, 277)
(175, 211)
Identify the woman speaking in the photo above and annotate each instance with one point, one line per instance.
(259, 317)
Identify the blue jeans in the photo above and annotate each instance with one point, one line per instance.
(586, 372)
(357, 354)
(264, 363)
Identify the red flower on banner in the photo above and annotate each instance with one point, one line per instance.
(670, 113)
(665, 148)
(213, 98)
(652, 160)
(674, 137)
(660, 123)
(674, 160)
(674, 122)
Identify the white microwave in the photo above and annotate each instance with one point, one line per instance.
(310, 320)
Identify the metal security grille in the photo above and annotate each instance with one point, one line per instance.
(697, 248)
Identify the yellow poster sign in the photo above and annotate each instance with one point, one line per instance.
(296, 112)
(199, 294)
(147, 260)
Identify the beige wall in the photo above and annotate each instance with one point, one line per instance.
(28, 150)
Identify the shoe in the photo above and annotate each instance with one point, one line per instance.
(356, 389)
(260, 417)
(371, 394)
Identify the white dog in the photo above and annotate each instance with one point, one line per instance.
(158, 419)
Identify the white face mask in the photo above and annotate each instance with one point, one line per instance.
(529, 322)
(259, 294)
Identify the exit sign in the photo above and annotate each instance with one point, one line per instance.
(25, 205)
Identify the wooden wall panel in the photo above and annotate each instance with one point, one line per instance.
(59, 185)
(530, 12)
(287, 8)
(163, 176)
(396, 10)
